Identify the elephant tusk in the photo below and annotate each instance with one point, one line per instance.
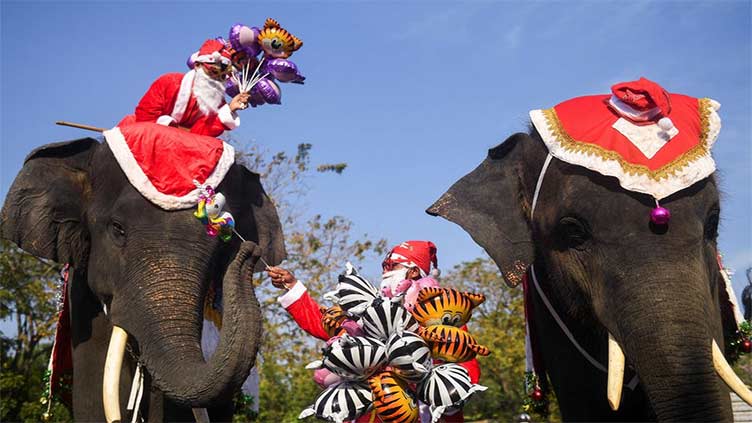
(201, 415)
(727, 374)
(615, 372)
(111, 379)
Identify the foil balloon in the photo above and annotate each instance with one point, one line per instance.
(446, 388)
(283, 70)
(243, 38)
(385, 316)
(411, 292)
(340, 403)
(392, 400)
(268, 91)
(409, 356)
(352, 357)
(191, 62)
(445, 306)
(210, 212)
(231, 88)
(332, 319)
(325, 378)
(452, 344)
(353, 292)
(277, 41)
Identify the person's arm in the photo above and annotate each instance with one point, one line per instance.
(304, 310)
(226, 118)
(157, 103)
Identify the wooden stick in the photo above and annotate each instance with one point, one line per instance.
(80, 126)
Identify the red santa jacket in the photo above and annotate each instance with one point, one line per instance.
(306, 313)
(170, 101)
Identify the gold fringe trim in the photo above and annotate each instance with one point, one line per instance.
(570, 144)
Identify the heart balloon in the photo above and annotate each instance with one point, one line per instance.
(267, 90)
(283, 70)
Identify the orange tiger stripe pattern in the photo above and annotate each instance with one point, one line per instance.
(451, 344)
(392, 400)
(332, 318)
(445, 306)
(277, 41)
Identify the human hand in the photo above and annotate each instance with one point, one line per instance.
(281, 278)
(240, 102)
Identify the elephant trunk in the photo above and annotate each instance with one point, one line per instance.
(167, 323)
(669, 343)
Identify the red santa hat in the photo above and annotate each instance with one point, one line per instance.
(163, 162)
(213, 51)
(420, 254)
(641, 101)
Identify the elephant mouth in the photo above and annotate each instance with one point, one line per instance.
(616, 361)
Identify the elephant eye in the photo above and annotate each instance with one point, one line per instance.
(118, 231)
(711, 225)
(572, 232)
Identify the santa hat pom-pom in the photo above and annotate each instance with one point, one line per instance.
(435, 273)
(665, 123)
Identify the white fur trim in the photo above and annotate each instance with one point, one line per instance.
(694, 171)
(165, 120)
(230, 119)
(647, 138)
(184, 94)
(625, 109)
(212, 58)
(141, 182)
(294, 294)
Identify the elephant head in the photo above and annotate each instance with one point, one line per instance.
(144, 271)
(608, 273)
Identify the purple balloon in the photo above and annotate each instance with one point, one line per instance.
(245, 39)
(221, 40)
(283, 70)
(268, 90)
(231, 88)
(191, 62)
(255, 99)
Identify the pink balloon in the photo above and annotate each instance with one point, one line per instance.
(324, 378)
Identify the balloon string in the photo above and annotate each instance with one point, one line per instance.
(243, 239)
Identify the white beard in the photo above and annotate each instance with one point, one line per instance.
(392, 278)
(209, 92)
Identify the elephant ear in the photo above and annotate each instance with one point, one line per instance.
(44, 210)
(488, 204)
(268, 229)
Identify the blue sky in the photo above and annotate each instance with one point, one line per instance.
(410, 94)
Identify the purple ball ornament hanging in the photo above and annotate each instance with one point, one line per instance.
(660, 215)
(245, 38)
(268, 90)
(283, 70)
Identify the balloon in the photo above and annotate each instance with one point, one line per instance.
(451, 344)
(191, 62)
(447, 386)
(283, 70)
(267, 90)
(353, 292)
(352, 357)
(411, 291)
(325, 378)
(231, 88)
(385, 316)
(340, 403)
(277, 41)
(408, 356)
(332, 319)
(445, 306)
(392, 399)
(245, 39)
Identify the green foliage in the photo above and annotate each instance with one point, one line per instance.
(28, 297)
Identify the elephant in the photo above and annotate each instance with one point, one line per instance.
(608, 273)
(141, 273)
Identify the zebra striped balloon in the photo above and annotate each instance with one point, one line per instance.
(353, 293)
(409, 356)
(340, 403)
(353, 357)
(447, 386)
(384, 317)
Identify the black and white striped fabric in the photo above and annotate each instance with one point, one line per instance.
(409, 356)
(354, 357)
(353, 293)
(342, 402)
(446, 386)
(386, 316)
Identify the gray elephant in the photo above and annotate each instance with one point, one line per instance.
(608, 272)
(143, 271)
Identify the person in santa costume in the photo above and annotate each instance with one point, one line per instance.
(194, 101)
(410, 260)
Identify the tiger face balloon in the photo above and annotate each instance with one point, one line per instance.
(276, 41)
(451, 344)
(445, 306)
(332, 319)
(392, 400)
